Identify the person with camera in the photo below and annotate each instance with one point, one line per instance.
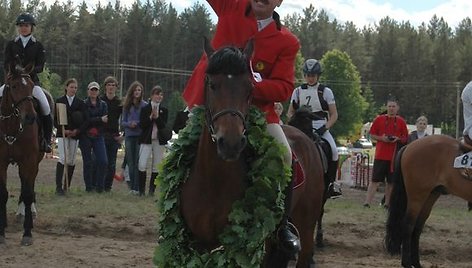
(390, 132)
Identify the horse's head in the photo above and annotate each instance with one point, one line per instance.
(18, 81)
(303, 120)
(228, 91)
(17, 91)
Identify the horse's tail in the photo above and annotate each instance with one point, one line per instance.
(397, 209)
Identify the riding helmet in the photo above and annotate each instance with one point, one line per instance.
(25, 18)
(312, 66)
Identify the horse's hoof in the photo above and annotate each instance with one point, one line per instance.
(2, 240)
(320, 244)
(27, 241)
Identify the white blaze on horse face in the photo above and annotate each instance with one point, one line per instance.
(23, 81)
(230, 76)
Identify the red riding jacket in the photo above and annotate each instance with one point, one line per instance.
(275, 49)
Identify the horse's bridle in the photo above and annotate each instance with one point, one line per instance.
(15, 113)
(210, 118)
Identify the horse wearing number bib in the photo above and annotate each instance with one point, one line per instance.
(424, 170)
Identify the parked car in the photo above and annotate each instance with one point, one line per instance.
(342, 150)
(363, 143)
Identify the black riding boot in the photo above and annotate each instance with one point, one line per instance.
(152, 186)
(331, 191)
(142, 182)
(70, 173)
(59, 176)
(287, 232)
(46, 121)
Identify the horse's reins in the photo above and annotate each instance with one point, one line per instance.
(15, 113)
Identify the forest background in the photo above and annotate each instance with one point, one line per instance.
(424, 67)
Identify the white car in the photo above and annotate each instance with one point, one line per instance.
(342, 150)
(363, 143)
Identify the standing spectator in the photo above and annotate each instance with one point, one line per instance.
(279, 109)
(153, 120)
(130, 121)
(111, 129)
(273, 65)
(68, 141)
(420, 132)
(390, 132)
(23, 50)
(92, 143)
(180, 120)
(320, 100)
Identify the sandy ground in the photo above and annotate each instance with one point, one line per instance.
(350, 241)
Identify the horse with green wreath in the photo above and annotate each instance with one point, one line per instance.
(221, 187)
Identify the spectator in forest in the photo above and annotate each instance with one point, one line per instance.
(130, 121)
(67, 141)
(390, 132)
(25, 49)
(153, 121)
(92, 143)
(111, 129)
(420, 132)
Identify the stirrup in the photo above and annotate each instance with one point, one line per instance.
(290, 244)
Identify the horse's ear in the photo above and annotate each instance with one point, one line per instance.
(29, 68)
(295, 105)
(209, 50)
(249, 49)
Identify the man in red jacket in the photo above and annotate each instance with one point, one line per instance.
(275, 49)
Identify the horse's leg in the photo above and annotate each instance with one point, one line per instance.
(305, 257)
(3, 202)
(27, 175)
(319, 227)
(422, 217)
(414, 208)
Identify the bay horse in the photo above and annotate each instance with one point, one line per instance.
(303, 119)
(219, 175)
(423, 172)
(19, 143)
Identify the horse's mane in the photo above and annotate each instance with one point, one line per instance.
(228, 60)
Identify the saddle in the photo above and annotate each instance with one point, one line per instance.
(466, 144)
(462, 161)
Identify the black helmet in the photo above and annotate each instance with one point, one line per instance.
(312, 66)
(25, 18)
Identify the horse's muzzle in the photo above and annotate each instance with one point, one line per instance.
(230, 149)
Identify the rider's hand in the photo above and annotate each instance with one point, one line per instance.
(321, 130)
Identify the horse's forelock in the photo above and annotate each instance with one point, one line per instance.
(228, 60)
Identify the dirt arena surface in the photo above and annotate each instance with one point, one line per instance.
(124, 235)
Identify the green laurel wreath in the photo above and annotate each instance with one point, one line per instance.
(252, 220)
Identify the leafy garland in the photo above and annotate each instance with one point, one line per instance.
(252, 220)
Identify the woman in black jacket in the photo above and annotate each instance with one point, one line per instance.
(153, 120)
(69, 140)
